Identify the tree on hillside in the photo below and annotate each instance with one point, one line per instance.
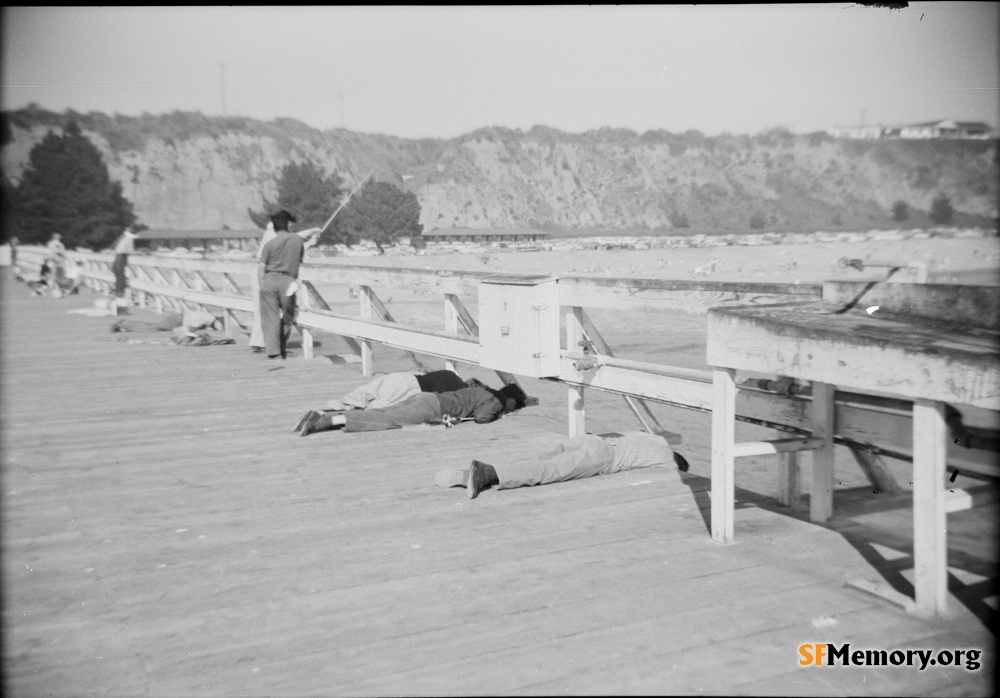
(66, 189)
(381, 212)
(304, 191)
(941, 209)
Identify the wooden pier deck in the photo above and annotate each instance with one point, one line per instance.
(165, 534)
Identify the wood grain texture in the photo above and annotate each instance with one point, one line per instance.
(164, 533)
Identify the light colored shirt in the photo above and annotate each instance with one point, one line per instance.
(283, 254)
(56, 249)
(639, 449)
(126, 244)
(308, 235)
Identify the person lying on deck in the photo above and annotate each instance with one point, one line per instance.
(392, 388)
(570, 459)
(481, 404)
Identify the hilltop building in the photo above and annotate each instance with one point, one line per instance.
(927, 130)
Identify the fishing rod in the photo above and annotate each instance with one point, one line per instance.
(344, 202)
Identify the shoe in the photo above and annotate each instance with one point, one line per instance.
(310, 416)
(451, 477)
(257, 350)
(275, 356)
(481, 476)
(318, 421)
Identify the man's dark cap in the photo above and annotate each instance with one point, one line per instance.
(281, 219)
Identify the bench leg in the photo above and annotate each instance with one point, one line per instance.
(788, 479)
(930, 546)
(723, 439)
(821, 493)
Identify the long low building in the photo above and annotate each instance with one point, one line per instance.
(224, 239)
(484, 235)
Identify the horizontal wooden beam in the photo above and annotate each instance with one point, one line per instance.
(442, 344)
(959, 500)
(763, 448)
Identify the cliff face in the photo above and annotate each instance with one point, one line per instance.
(185, 171)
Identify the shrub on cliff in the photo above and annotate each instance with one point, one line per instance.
(381, 212)
(900, 211)
(942, 212)
(306, 192)
(66, 189)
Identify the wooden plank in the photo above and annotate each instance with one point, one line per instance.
(638, 408)
(823, 458)
(930, 547)
(762, 448)
(723, 437)
(376, 306)
(789, 475)
(172, 536)
(459, 347)
(317, 301)
(576, 414)
(962, 499)
(935, 361)
(876, 471)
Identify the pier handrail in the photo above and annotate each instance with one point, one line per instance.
(175, 282)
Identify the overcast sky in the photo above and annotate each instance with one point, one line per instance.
(444, 71)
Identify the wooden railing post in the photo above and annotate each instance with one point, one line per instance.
(451, 323)
(723, 438)
(365, 300)
(305, 303)
(576, 417)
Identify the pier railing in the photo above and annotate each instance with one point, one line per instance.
(871, 426)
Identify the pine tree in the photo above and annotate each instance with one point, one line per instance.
(305, 192)
(942, 211)
(900, 211)
(381, 212)
(66, 189)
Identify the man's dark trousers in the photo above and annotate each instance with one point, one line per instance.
(277, 312)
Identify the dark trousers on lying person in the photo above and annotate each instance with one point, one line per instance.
(423, 408)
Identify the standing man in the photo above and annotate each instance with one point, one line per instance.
(311, 237)
(278, 272)
(123, 248)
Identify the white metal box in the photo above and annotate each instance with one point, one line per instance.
(519, 325)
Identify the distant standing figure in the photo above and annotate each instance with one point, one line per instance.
(257, 330)
(278, 272)
(13, 255)
(123, 248)
(55, 258)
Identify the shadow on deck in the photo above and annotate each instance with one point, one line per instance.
(164, 533)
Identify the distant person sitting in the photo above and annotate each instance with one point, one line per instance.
(480, 404)
(570, 459)
(392, 388)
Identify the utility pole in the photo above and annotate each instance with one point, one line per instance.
(340, 99)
